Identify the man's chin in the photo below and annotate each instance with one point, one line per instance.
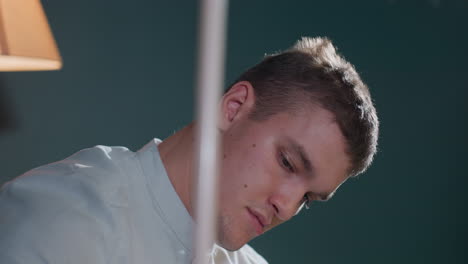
(230, 245)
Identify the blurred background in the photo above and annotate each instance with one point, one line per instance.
(128, 76)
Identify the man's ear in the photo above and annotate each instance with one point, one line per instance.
(236, 103)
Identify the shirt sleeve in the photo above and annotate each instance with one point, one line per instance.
(59, 213)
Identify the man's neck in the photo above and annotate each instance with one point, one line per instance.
(177, 152)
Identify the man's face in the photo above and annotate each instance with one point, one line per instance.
(269, 166)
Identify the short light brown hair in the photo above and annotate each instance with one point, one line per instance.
(312, 72)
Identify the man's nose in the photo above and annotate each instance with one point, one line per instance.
(287, 201)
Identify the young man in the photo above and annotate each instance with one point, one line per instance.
(293, 129)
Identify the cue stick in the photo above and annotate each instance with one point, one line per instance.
(210, 79)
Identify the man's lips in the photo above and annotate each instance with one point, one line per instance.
(258, 220)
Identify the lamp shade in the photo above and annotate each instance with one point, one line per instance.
(26, 41)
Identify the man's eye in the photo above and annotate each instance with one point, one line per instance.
(285, 163)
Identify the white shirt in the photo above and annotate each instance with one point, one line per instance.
(101, 205)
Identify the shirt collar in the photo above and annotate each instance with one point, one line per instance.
(164, 195)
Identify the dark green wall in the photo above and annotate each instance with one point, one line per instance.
(129, 73)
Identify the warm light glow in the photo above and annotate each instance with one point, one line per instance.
(26, 42)
(15, 63)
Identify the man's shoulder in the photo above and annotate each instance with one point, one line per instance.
(100, 156)
(92, 173)
(79, 197)
(245, 255)
(97, 161)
